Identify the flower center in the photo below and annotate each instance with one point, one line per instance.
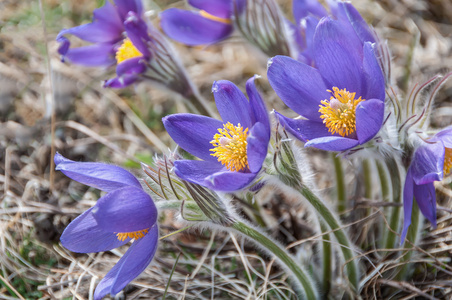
(230, 147)
(126, 51)
(206, 15)
(338, 113)
(447, 161)
(122, 236)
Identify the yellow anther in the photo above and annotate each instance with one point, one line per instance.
(447, 161)
(133, 235)
(230, 147)
(206, 15)
(126, 51)
(338, 113)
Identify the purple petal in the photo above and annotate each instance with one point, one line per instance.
(92, 56)
(256, 149)
(196, 171)
(193, 133)
(229, 181)
(125, 210)
(332, 143)
(101, 176)
(121, 81)
(374, 82)
(407, 204)
(131, 66)
(427, 163)
(132, 264)
(126, 6)
(426, 200)
(338, 56)
(83, 235)
(369, 119)
(137, 32)
(231, 103)
(259, 112)
(304, 130)
(218, 8)
(303, 8)
(445, 136)
(298, 85)
(191, 28)
(357, 22)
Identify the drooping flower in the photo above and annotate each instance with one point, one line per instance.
(232, 150)
(341, 99)
(119, 36)
(431, 162)
(126, 212)
(207, 25)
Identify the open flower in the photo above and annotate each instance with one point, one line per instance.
(341, 99)
(232, 150)
(126, 212)
(210, 24)
(431, 161)
(119, 36)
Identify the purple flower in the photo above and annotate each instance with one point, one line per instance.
(431, 161)
(210, 24)
(341, 99)
(126, 212)
(232, 150)
(119, 36)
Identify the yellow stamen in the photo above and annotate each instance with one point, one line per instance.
(126, 51)
(206, 15)
(230, 147)
(447, 161)
(338, 113)
(122, 236)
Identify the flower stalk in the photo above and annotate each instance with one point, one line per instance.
(340, 184)
(394, 172)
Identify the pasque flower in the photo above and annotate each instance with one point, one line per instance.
(232, 150)
(126, 212)
(119, 36)
(341, 98)
(207, 25)
(431, 161)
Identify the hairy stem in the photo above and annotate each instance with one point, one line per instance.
(340, 183)
(394, 219)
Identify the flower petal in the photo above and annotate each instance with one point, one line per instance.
(191, 28)
(298, 85)
(369, 119)
(132, 264)
(445, 136)
(356, 21)
(304, 8)
(407, 204)
(126, 6)
(257, 145)
(131, 66)
(229, 181)
(374, 82)
(218, 8)
(428, 163)
(92, 56)
(137, 31)
(125, 210)
(231, 103)
(259, 112)
(332, 143)
(304, 130)
(83, 235)
(338, 56)
(196, 171)
(101, 176)
(193, 133)
(122, 81)
(426, 200)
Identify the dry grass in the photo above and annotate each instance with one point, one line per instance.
(122, 127)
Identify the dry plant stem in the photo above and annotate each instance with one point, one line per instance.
(281, 253)
(340, 183)
(339, 233)
(394, 219)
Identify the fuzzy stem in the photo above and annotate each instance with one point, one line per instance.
(339, 233)
(263, 241)
(367, 179)
(394, 219)
(385, 197)
(340, 183)
(176, 204)
(327, 254)
(412, 236)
